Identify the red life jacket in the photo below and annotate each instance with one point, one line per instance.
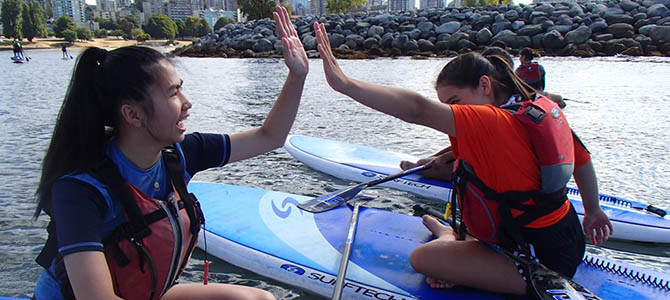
(487, 213)
(530, 73)
(148, 252)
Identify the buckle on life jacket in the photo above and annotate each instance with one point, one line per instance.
(534, 114)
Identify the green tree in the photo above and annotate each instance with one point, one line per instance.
(11, 18)
(256, 9)
(34, 24)
(107, 24)
(473, 3)
(100, 33)
(223, 21)
(195, 27)
(181, 28)
(69, 35)
(160, 26)
(64, 23)
(49, 10)
(342, 6)
(139, 35)
(203, 27)
(83, 33)
(127, 23)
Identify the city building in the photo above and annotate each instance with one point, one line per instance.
(179, 9)
(301, 7)
(402, 5)
(74, 9)
(432, 4)
(317, 7)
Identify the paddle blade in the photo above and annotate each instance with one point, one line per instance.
(332, 200)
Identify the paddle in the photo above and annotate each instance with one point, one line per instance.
(545, 283)
(339, 197)
(623, 202)
(344, 262)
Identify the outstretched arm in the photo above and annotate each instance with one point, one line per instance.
(273, 132)
(404, 104)
(597, 225)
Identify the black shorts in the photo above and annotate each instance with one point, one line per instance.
(561, 246)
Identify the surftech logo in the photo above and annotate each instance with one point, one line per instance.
(286, 208)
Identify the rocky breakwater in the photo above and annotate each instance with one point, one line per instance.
(598, 28)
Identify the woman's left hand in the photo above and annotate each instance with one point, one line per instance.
(293, 50)
(597, 226)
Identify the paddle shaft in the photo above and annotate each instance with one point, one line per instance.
(394, 176)
(342, 271)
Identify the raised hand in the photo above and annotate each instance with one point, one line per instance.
(334, 75)
(294, 53)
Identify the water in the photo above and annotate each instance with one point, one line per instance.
(620, 111)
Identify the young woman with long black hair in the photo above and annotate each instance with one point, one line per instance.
(123, 225)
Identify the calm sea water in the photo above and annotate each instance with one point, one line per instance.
(620, 109)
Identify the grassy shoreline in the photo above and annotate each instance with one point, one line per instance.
(53, 43)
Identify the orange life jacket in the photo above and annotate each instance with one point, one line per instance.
(486, 213)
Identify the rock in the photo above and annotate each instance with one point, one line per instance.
(657, 10)
(449, 27)
(264, 45)
(599, 26)
(336, 40)
(370, 43)
(620, 18)
(628, 5)
(603, 37)
(579, 35)
(621, 30)
(500, 26)
(553, 40)
(483, 36)
(530, 30)
(660, 34)
(425, 45)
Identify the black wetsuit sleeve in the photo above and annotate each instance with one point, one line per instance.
(78, 214)
(205, 150)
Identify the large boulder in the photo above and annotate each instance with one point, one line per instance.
(553, 40)
(449, 27)
(657, 10)
(660, 34)
(621, 30)
(483, 36)
(579, 35)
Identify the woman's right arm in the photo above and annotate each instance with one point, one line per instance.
(89, 275)
(404, 104)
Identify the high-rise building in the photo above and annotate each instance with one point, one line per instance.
(317, 7)
(432, 4)
(231, 5)
(401, 5)
(301, 7)
(74, 9)
(179, 9)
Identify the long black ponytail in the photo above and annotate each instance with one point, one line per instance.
(101, 82)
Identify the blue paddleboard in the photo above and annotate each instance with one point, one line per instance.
(265, 232)
(361, 163)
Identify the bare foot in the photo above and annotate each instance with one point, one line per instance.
(439, 283)
(407, 165)
(438, 229)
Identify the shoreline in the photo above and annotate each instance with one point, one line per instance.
(52, 43)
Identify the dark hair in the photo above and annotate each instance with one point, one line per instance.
(466, 69)
(527, 52)
(101, 82)
(494, 50)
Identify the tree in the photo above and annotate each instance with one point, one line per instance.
(257, 9)
(127, 23)
(107, 24)
(64, 23)
(160, 26)
(195, 27)
(473, 3)
(34, 24)
(69, 35)
(342, 6)
(83, 33)
(181, 28)
(11, 18)
(223, 21)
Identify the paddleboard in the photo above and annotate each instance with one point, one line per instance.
(265, 232)
(361, 163)
(17, 59)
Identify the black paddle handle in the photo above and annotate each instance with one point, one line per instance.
(397, 175)
(656, 210)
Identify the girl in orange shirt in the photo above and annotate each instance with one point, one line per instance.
(498, 148)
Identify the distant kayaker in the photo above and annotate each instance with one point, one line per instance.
(114, 176)
(535, 75)
(497, 160)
